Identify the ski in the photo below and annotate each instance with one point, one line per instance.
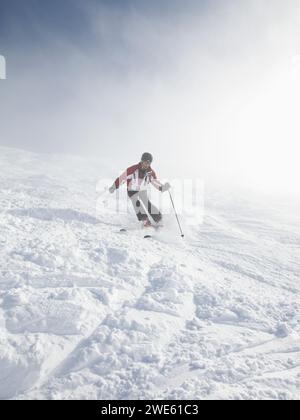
(123, 230)
(155, 228)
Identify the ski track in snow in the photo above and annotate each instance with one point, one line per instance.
(87, 312)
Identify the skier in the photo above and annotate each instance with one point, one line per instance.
(138, 178)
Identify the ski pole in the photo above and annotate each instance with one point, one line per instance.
(182, 234)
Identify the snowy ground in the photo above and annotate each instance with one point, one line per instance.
(88, 312)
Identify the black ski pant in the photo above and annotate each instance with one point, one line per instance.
(143, 206)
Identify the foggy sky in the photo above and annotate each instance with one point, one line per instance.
(209, 87)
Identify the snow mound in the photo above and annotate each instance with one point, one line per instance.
(89, 313)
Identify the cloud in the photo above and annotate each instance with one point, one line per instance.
(209, 90)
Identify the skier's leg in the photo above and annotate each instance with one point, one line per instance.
(138, 206)
(152, 210)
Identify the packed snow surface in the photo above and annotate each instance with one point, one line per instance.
(87, 312)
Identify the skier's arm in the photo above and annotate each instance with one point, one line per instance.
(158, 185)
(155, 182)
(122, 178)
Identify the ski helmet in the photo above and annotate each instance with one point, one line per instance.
(147, 157)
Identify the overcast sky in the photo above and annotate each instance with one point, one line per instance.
(207, 86)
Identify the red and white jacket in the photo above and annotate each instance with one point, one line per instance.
(137, 179)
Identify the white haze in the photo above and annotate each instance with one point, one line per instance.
(211, 93)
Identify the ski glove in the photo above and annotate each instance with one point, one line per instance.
(112, 189)
(165, 187)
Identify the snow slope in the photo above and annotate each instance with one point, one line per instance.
(89, 313)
